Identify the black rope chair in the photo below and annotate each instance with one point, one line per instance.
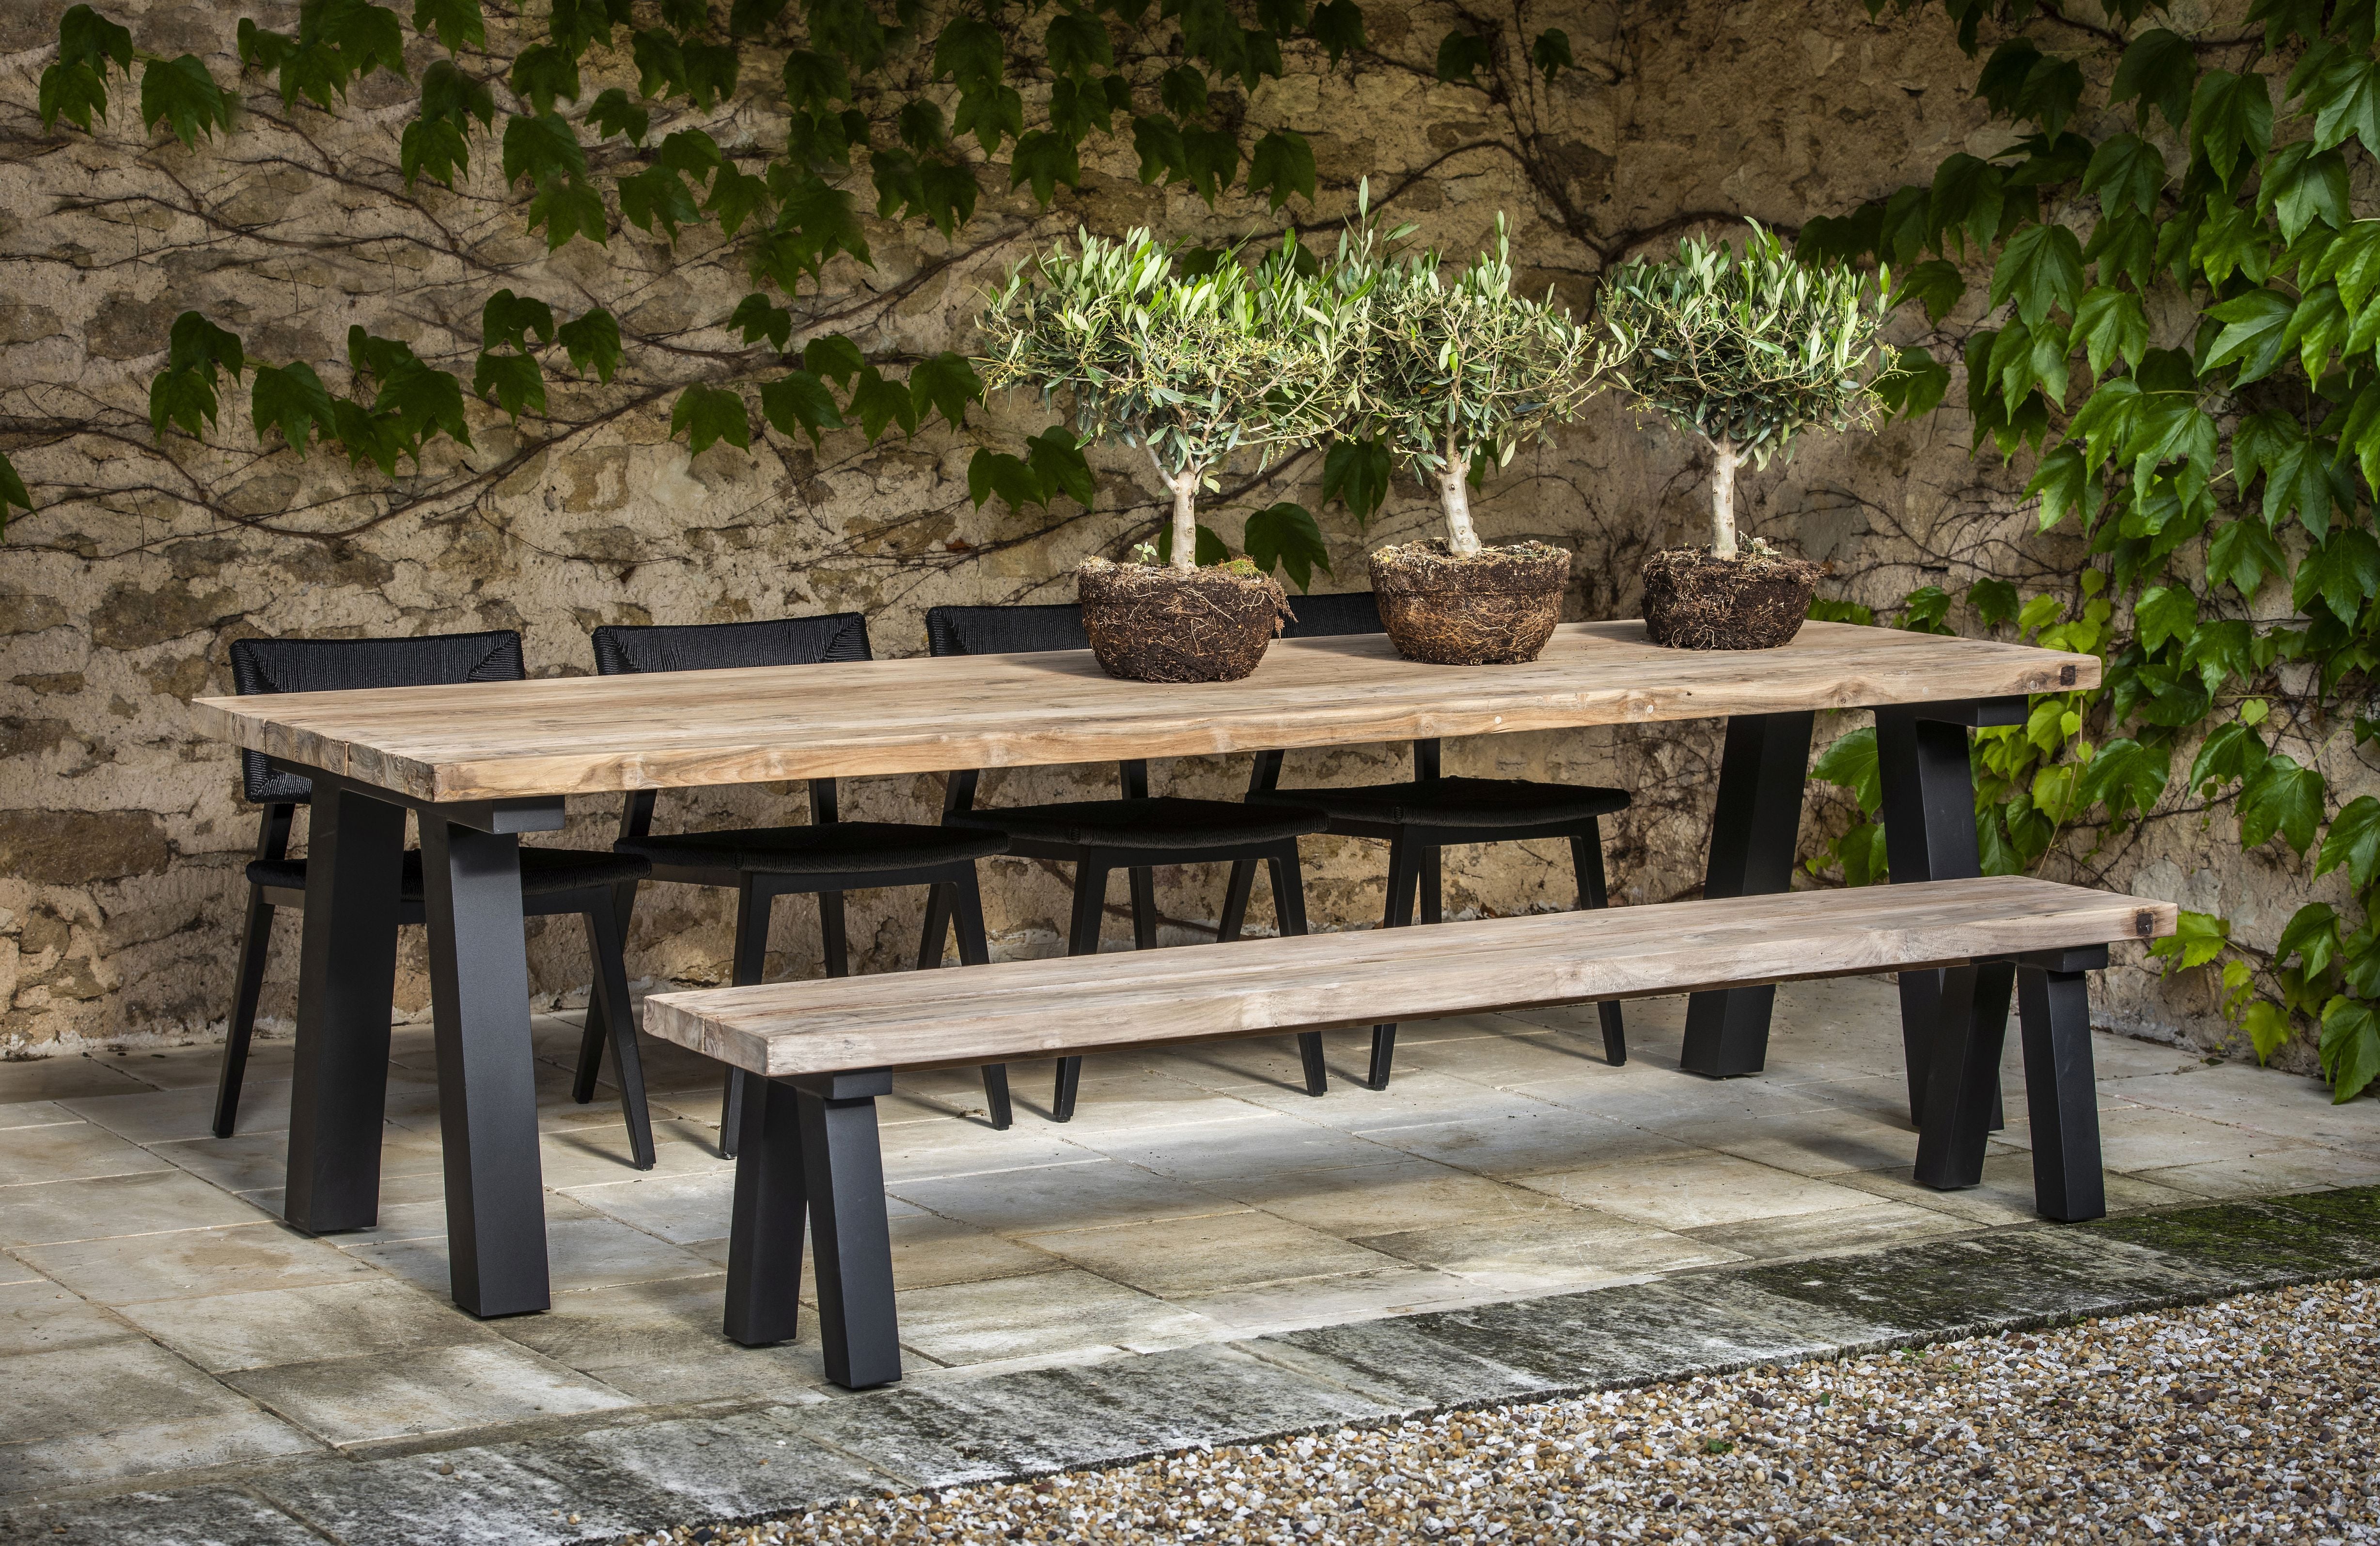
(824, 859)
(1134, 834)
(553, 881)
(1428, 813)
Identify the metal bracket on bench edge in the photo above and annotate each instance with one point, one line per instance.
(861, 1085)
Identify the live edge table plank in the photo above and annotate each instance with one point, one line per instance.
(479, 764)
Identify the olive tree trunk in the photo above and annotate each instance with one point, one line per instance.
(1184, 486)
(1723, 460)
(1455, 492)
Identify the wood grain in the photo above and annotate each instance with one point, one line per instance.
(574, 736)
(1023, 1009)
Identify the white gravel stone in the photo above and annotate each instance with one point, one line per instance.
(2242, 1420)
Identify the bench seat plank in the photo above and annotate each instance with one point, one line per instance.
(1026, 1009)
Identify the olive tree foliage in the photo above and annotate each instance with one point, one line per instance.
(2182, 329)
(1744, 350)
(1456, 371)
(1191, 367)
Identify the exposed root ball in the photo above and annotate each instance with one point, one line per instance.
(1153, 624)
(1696, 602)
(1496, 609)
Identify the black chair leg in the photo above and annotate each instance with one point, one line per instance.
(1082, 939)
(597, 1032)
(937, 931)
(753, 906)
(1143, 909)
(1405, 876)
(1235, 901)
(610, 1010)
(1289, 909)
(1586, 864)
(834, 935)
(248, 989)
(975, 950)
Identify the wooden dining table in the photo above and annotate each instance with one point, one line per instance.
(480, 764)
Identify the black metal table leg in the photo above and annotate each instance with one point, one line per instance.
(1761, 770)
(2061, 1092)
(1929, 834)
(487, 1082)
(850, 1237)
(764, 1240)
(347, 981)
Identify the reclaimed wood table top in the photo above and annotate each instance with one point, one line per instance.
(1060, 1004)
(594, 735)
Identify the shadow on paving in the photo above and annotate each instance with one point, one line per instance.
(600, 1483)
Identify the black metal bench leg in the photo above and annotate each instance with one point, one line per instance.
(248, 989)
(1962, 1079)
(975, 950)
(1587, 866)
(1761, 770)
(2061, 1094)
(1405, 876)
(611, 1013)
(1289, 909)
(764, 1242)
(1082, 939)
(487, 1069)
(858, 1330)
(753, 904)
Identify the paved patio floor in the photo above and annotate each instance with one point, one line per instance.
(157, 1321)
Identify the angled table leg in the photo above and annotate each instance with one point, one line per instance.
(346, 979)
(1929, 834)
(1761, 773)
(487, 1080)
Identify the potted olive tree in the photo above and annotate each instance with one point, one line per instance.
(1195, 369)
(1456, 372)
(1744, 351)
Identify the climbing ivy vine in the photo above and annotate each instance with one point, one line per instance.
(2182, 318)
(600, 114)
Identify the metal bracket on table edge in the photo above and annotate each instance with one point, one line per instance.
(532, 813)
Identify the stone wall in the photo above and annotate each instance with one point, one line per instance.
(122, 838)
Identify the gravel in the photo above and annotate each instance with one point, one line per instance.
(2248, 1419)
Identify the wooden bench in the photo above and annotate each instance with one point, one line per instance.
(826, 1049)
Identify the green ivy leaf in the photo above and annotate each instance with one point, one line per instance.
(1462, 56)
(1549, 55)
(921, 126)
(2344, 97)
(1356, 473)
(2281, 796)
(1044, 160)
(2164, 611)
(832, 357)
(1851, 762)
(1921, 611)
(1077, 43)
(85, 37)
(1283, 162)
(1935, 283)
(2231, 117)
(2040, 268)
(946, 384)
(2158, 68)
(512, 381)
(1057, 460)
(815, 82)
(737, 196)
(798, 400)
(12, 492)
(760, 319)
(2197, 939)
(1338, 26)
(2256, 332)
(2301, 186)
(567, 207)
(1285, 534)
(1916, 385)
(2351, 1047)
(2111, 326)
(542, 73)
(1968, 195)
(2344, 571)
(1162, 155)
(436, 148)
(182, 95)
(74, 92)
(459, 24)
(2127, 173)
(992, 115)
(292, 399)
(710, 72)
(509, 321)
(2124, 775)
(2242, 553)
(1994, 602)
(749, 19)
(2353, 842)
(2063, 484)
(593, 340)
(814, 222)
(2231, 753)
(2268, 1028)
(707, 415)
(657, 196)
(993, 472)
(878, 404)
(542, 149)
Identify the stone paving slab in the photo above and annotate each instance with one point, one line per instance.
(600, 1483)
